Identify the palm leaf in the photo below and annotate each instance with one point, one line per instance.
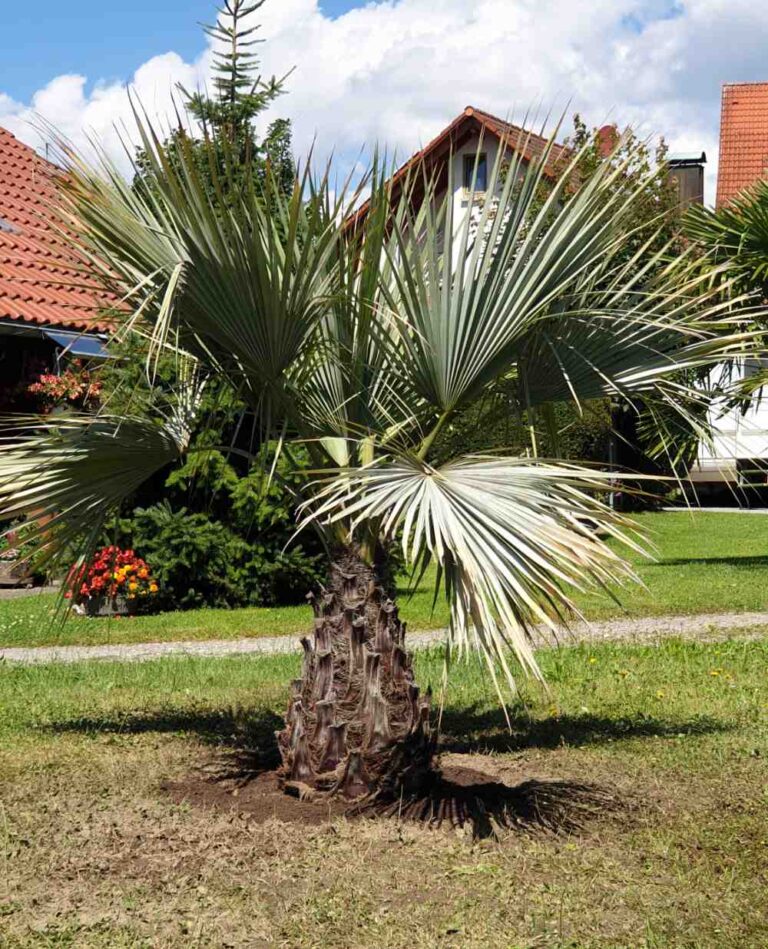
(510, 537)
(240, 285)
(65, 475)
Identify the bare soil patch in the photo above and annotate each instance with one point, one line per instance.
(462, 798)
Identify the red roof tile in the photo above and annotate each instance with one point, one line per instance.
(528, 144)
(743, 138)
(42, 280)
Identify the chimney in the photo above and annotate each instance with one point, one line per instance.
(687, 170)
(607, 139)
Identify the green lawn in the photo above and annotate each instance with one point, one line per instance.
(704, 563)
(94, 853)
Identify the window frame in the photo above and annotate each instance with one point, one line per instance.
(471, 161)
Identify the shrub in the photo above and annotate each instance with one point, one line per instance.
(216, 530)
(203, 562)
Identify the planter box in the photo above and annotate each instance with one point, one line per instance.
(110, 606)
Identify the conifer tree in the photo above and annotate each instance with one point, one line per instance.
(226, 115)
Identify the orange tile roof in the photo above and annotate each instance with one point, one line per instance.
(41, 279)
(743, 138)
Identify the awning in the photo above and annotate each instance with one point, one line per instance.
(79, 344)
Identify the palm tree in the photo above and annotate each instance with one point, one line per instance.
(361, 337)
(736, 235)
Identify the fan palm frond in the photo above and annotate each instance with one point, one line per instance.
(364, 341)
(510, 537)
(241, 285)
(736, 234)
(65, 475)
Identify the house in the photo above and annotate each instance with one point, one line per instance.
(739, 456)
(472, 131)
(49, 309)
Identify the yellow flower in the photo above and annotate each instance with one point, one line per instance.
(660, 694)
(153, 588)
(715, 672)
(133, 585)
(592, 660)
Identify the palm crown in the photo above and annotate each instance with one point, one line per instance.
(363, 339)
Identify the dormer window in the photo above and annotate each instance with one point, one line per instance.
(476, 170)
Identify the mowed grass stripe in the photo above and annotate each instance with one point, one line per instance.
(704, 563)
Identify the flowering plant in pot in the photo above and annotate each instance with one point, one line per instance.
(115, 582)
(73, 387)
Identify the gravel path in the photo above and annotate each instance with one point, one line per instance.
(14, 593)
(652, 629)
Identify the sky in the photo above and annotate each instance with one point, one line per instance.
(392, 72)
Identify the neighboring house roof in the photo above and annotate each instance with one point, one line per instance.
(468, 124)
(42, 281)
(743, 138)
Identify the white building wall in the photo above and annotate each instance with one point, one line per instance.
(490, 147)
(461, 203)
(737, 438)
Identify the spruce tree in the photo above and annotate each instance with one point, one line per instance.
(227, 149)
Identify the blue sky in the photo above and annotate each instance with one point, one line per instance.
(394, 72)
(101, 39)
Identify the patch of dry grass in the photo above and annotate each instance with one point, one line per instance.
(93, 853)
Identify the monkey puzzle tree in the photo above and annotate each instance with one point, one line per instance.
(361, 341)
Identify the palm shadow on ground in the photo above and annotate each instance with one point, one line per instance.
(478, 729)
(460, 796)
(735, 561)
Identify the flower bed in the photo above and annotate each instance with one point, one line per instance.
(115, 583)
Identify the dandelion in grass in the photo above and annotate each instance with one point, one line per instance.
(660, 694)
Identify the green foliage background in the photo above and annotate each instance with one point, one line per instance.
(215, 530)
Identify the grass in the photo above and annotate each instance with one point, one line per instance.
(93, 853)
(704, 563)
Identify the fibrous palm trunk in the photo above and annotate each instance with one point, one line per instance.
(356, 723)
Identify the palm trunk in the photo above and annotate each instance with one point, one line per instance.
(356, 724)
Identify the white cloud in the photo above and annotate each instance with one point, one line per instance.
(102, 112)
(395, 72)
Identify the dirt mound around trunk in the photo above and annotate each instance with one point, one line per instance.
(260, 797)
(461, 797)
